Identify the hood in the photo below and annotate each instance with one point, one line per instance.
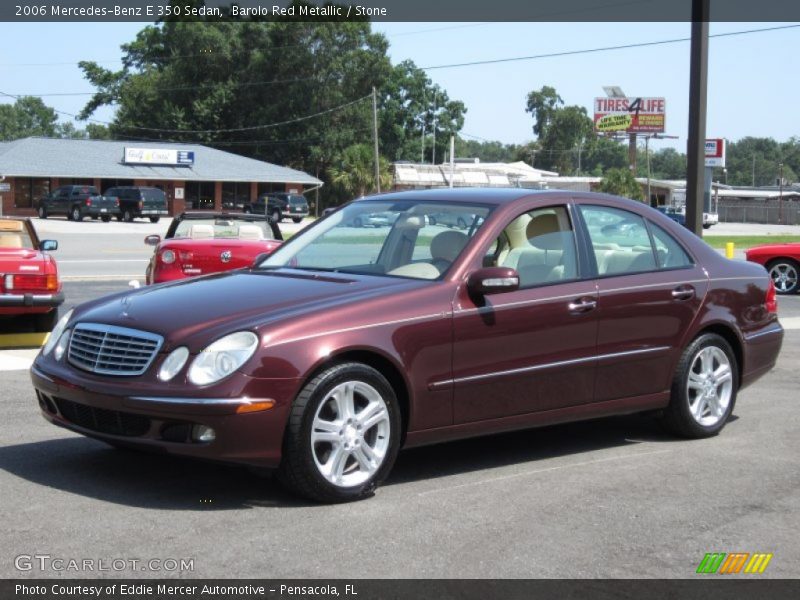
(209, 306)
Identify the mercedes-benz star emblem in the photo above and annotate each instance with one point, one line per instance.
(226, 256)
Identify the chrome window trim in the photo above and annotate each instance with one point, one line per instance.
(532, 368)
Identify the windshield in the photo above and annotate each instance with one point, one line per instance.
(226, 229)
(414, 239)
(13, 236)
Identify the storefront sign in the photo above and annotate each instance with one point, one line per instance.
(158, 156)
(715, 153)
(629, 115)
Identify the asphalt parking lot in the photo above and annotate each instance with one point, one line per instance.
(608, 498)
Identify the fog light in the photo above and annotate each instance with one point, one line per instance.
(203, 433)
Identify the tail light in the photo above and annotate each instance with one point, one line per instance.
(116, 201)
(141, 205)
(771, 301)
(31, 283)
(88, 202)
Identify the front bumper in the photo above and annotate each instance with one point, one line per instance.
(31, 300)
(164, 423)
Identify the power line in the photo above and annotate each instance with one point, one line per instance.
(603, 49)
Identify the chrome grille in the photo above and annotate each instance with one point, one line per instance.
(111, 350)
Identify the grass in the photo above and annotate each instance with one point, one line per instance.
(747, 241)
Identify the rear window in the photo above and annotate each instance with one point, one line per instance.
(297, 200)
(153, 195)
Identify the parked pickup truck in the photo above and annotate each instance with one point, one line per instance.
(77, 202)
(137, 201)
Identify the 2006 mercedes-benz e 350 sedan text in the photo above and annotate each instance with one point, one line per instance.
(324, 358)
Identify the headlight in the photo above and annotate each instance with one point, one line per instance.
(173, 363)
(55, 335)
(168, 257)
(223, 357)
(61, 346)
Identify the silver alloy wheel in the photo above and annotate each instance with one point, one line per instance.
(710, 386)
(784, 276)
(350, 434)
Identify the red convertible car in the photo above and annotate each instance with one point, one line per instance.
(342, 346)
(783, 263)
(29, 283)
(202, 243)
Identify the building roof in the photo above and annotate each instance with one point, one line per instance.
(49, 157)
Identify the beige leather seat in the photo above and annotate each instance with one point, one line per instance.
(250, 232)
(10, 240)
(549, 255)
(201, 231)
(445, 247)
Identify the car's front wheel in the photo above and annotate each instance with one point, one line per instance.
(343, 435)
(154, 219)
(784, 273)
(76, 214)
(42, 212)
(703, 389)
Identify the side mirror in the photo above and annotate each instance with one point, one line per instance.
(257, 260)
(493, 280)
(48, 245)
(152, 240)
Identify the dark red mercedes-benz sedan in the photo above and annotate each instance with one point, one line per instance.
(325, 358)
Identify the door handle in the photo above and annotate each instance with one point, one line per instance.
(684, 292)
(582, 305)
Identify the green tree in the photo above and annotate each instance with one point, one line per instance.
(543, 105)
(355, 173)
(621, 182)
(667, 163)
(28, 116)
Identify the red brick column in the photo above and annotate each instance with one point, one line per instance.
(178, 205)
(217, 195)
(253, 191)
(7, 198)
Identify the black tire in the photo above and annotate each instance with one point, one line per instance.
(299, 471)
(42, 212)
(706, 226)
(95, 217)
(119, 218)
(105, 218)
(127, 216)
(247, 210)
(46, 321)
(790, 269)
(75, 214)
(678, 417)
(155, 219)
(297, 219)
(276, 216)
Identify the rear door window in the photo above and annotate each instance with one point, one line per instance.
(620, 240)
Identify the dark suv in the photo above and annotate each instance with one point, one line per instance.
(279, 205)
(139, 202)
(74, 201)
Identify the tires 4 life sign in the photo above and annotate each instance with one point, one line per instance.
(629, 115)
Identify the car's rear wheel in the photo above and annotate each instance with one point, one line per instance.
(784, 273)
(42, 212)
(127, 216)
(76, 214)
(105, 218)
(297, 219)
(703, 389)
(343, 435)
(154, 219)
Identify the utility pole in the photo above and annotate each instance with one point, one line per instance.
(452, 159)
(632, 153)
(698, 91)
(433, 150)
(780, 197)
(754, 170)
(647, 155)
(375, 136)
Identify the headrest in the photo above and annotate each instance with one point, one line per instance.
(250, 232)
(10, 225)
(448, 244)
(542, 225)
(201, 231)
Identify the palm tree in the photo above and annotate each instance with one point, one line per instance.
(356, 171)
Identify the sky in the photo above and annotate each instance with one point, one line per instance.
(753, 89)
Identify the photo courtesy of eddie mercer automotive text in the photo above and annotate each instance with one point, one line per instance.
(457, 313)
